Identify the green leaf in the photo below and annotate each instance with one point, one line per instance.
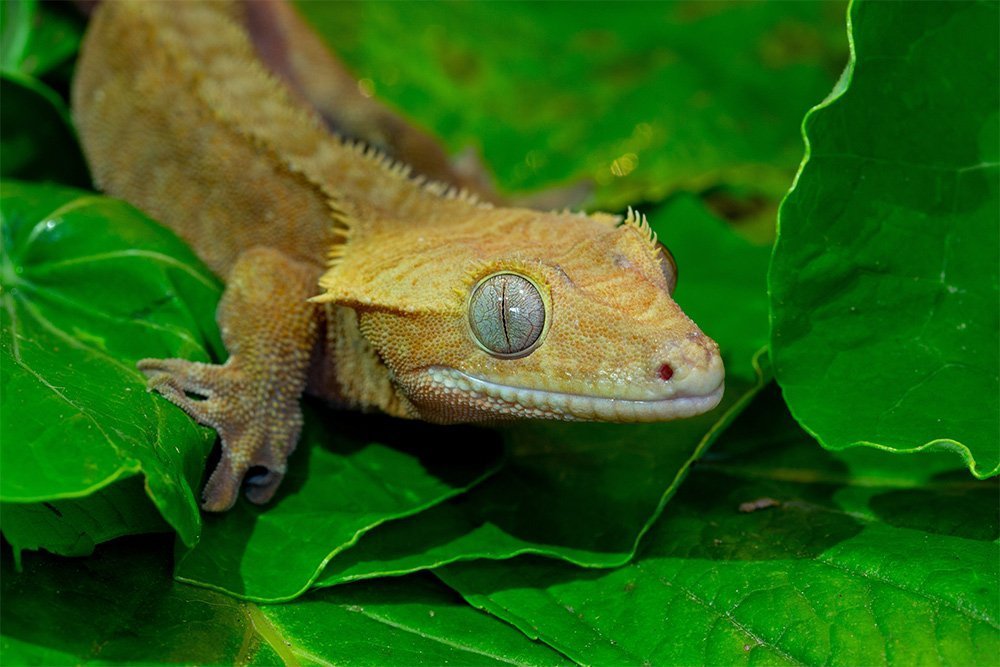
(120, 606)
(74, 526)
(347, 476)
(587, 492)
(37, 37)
(38, 142)
(643, 99)
(776, 551)
(15, 31)
(410, 621)
(884, 283)
(88, 285)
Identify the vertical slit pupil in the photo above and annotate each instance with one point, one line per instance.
(503, 313)
(507, 314)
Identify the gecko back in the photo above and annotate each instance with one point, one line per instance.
(179, 116)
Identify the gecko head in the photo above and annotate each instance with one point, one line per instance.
(512, 313)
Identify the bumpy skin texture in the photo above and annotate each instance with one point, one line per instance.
(271, 332)
(178, 115)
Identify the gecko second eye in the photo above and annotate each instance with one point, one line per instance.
(506, 315)
(669, 267)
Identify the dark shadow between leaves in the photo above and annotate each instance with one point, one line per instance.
(119, 605)
(422, 588)
(765, 492)
(953, 504)
(438, 448)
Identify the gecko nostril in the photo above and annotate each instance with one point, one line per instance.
(666, 372)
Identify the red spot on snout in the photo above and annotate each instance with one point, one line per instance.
(666, 372)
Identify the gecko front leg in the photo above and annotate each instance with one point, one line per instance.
(252, 400)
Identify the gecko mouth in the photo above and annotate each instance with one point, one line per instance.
(492, 401)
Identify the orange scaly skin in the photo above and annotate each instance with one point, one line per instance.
(347, 277)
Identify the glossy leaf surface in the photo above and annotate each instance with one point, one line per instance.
(778, 552)
(74, 412)
(884, 284)
(773, 550)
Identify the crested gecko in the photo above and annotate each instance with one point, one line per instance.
(348, 276)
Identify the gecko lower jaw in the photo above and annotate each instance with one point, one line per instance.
(494, 401)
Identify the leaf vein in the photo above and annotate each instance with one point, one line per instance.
(419, 633)
(873, 576)
(722, 614)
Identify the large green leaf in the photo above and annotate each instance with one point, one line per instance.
(411, 621)
(884, 284)
(89, 286)
(120, 606)
(641, 98)
(74, 526)
(348, 475)
(778, 552)
(587, 492)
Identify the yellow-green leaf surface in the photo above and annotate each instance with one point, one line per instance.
(776, 551)
(90, 286)
(120, 607)
(641, 99)
(884, 283)
(75, 416)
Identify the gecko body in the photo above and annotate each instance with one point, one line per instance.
(352, 279)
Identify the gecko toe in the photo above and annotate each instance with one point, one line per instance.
(182, 382)
(222, 488)
(261, 487)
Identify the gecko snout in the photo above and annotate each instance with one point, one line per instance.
(693, 368)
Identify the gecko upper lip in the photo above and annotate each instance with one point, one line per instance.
(559, 405)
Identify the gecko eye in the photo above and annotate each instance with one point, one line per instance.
(668, 266)
(506, 315)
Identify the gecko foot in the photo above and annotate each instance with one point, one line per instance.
(258, 427)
